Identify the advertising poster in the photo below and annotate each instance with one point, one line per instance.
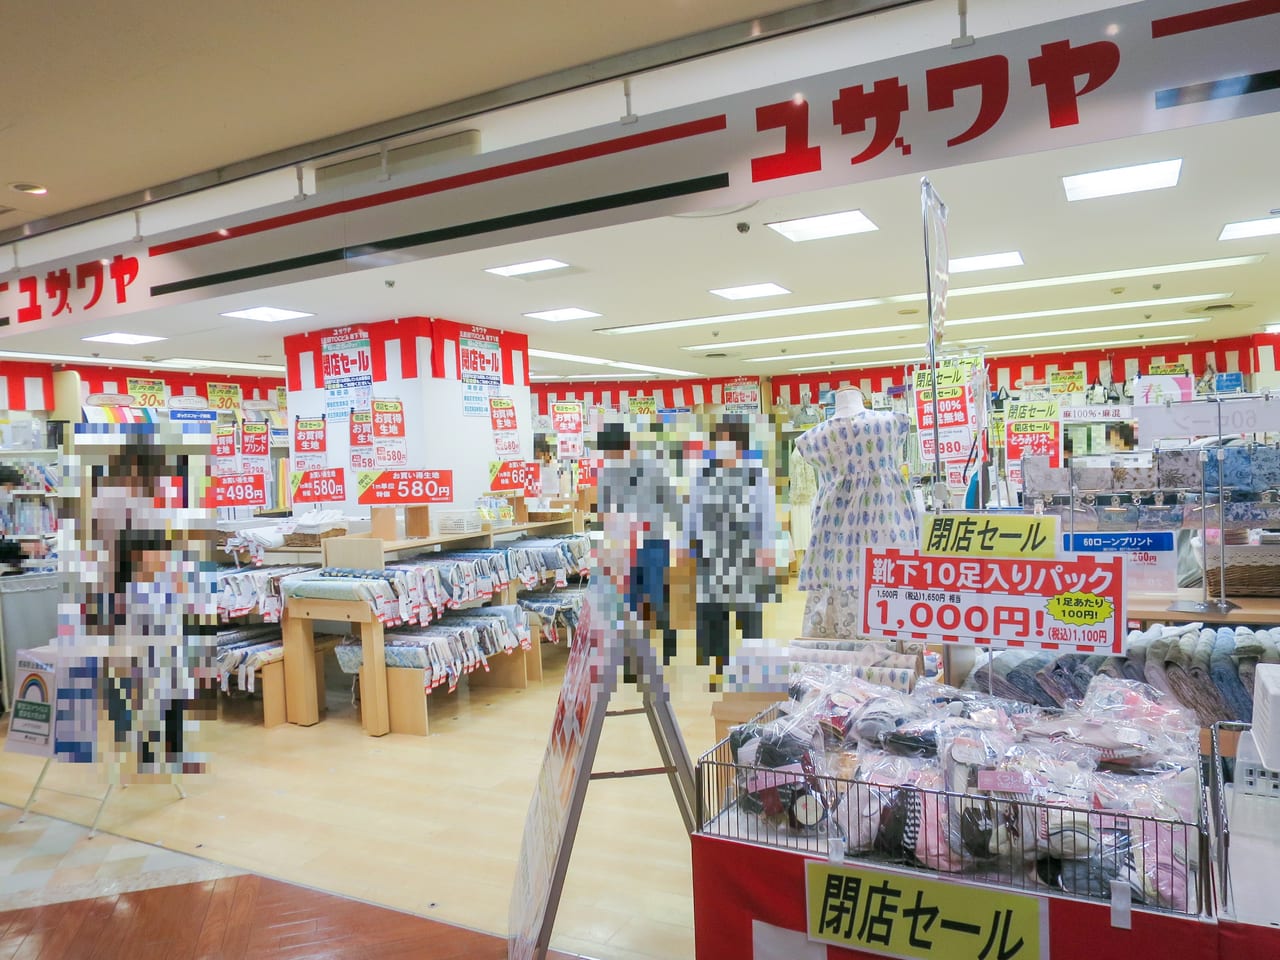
(361, 444)
(310, 444)
(1071, 604)
(508, 475)
(282, 399)
(347, 363)
(1066, 381)
(957, 420)
(388, 487)
(226, 454)
(566, 421)
(1168, 370)
(390, 446)
(318, 486)
(224, 396)
(255, 447)
(1163, 388)
(742, 395)
(480, 358)
(642, 406)
(506, 436)
(1031, 428)
(238, 490)
(475, 399)
(31, 717)
(147, 392)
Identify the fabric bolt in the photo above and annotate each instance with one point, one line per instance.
(863, 501)
(1226, 677)
(1187, 670)
(1154, 671)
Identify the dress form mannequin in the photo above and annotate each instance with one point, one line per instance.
(863, 501)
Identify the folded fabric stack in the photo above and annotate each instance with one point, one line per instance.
(533, 560)
(958, 781)
(246, 590)
(242, 650)
(456, 645)
(556, 608)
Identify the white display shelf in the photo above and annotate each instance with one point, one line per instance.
(44, 454)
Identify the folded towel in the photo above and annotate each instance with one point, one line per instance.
(1226, 677)
(1187, 670)
(1024, 679)
(1154, 669)
(1247, 668)
(1248, 643)
(1270, 650)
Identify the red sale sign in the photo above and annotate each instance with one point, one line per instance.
(512, 474)
(589, 471)
(388, 419)
(1074, 604)
(309, 436)
(255, 440)
(387, 487)
(241, 490)
(224, 440)
(319, 486)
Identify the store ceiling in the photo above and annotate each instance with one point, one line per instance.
(106, 97)
(662, 270)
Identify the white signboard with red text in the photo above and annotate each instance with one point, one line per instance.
(390, 446)
(506, 434)
(394, 487)
(310, 443)
(742, 395)
(348, 372)
(566, 421)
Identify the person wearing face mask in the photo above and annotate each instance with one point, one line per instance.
(731, 532)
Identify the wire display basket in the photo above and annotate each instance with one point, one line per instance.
(986, 838)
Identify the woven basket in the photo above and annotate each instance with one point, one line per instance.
(312, 539)
(1252, 570)
(546, 516)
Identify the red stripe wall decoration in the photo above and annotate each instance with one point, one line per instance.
(614, 393)
(18, 396)
(98, 379)
(446, 360)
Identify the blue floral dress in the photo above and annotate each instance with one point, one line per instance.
(863, 501)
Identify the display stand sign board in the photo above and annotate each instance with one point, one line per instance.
(742, 395)
(1207, 418)
(239, 490)
(1098, 413)
(347, 364)
(898, 914)
(551, 824)
(146, 392)
(255, 446)
(224, 396)
(506, 434)
(1066, 381)
(505, 475)
(404, 487)
(956, 412)
(319, 486)
(1031, 428)
(1151, 557)
(310, 443)
(566, 421)
(1229, 382)
(361, 441)
(31, 720)
(1072, 604)
(390, 446)
(642, 406)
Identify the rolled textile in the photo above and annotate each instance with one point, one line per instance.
(993, 674)
(1135, 649)
(1226, 677)
(1187, 669)
(1247, 667)
(1248, 643)
(1113, 667)
(1060, 679)
(1270, 650)
(1023, 679)
(1153, 670)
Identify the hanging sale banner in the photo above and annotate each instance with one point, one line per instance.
(347, 364)
(642, 406)
(566, 421)
(223, 396)
(226, 456)
(282, 399)
(238, 490)
(506, 436)
(1070, 604)
(385, 487)
(146, 392)
(957, 421)
(255, 447)
(1031, 428)
(1066, 381)
(390, 447)
(310, 444)
(318, 486)
(480, 357)
(742, 395)
(361, 445)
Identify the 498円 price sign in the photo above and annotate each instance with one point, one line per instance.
(1071, 603)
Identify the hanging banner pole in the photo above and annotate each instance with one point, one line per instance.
(936, 277)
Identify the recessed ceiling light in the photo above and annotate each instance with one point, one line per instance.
(882, 362)
(1091, 308)
(829, 353)
(751, 291)
(1241, 229)
(529, 266)
(646, 367)
(1135, 179)
(544, 376)
(895, 328)
(31, 189)
(184, 363)
(266, 314)
(571, 357)
(989, 261)
(1008, 287)
(123, 339)
(1057, 347)
(565, 313)
(1079, 330)
(824, 226)
(1271, 328)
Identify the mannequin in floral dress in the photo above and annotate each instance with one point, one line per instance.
(863, 501)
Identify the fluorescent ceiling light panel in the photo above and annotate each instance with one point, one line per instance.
(1188, 267)
(829, 353)
(544, 376)
(882, 362)
(185, 363)
(571, 357)
(1266, 227)
(752, 315)
(1131, 342)
(529, 266)
(266, 314)
(805, 336)
(1135, 179)
(1092, 308)
(824, 226)
(1079, 330)
(751, 291)
(123, 339)
(565, 313)
(988, 261)
(645, 367)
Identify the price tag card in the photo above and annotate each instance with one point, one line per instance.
(239, 490)
(147, 393)
(224, 396)
(319, 486)
(388, 487)
(511, 474)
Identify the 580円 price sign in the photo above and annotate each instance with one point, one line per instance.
(915, 917)
(1072, 603)
(382, 487)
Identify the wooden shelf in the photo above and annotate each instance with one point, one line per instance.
(29, 454)
(1263, 611)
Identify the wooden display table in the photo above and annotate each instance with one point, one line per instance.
(301, 694)
(1250, 611)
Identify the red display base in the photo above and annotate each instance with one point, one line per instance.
(749, 904)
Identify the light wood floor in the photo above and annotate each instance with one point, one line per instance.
(431, 825)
